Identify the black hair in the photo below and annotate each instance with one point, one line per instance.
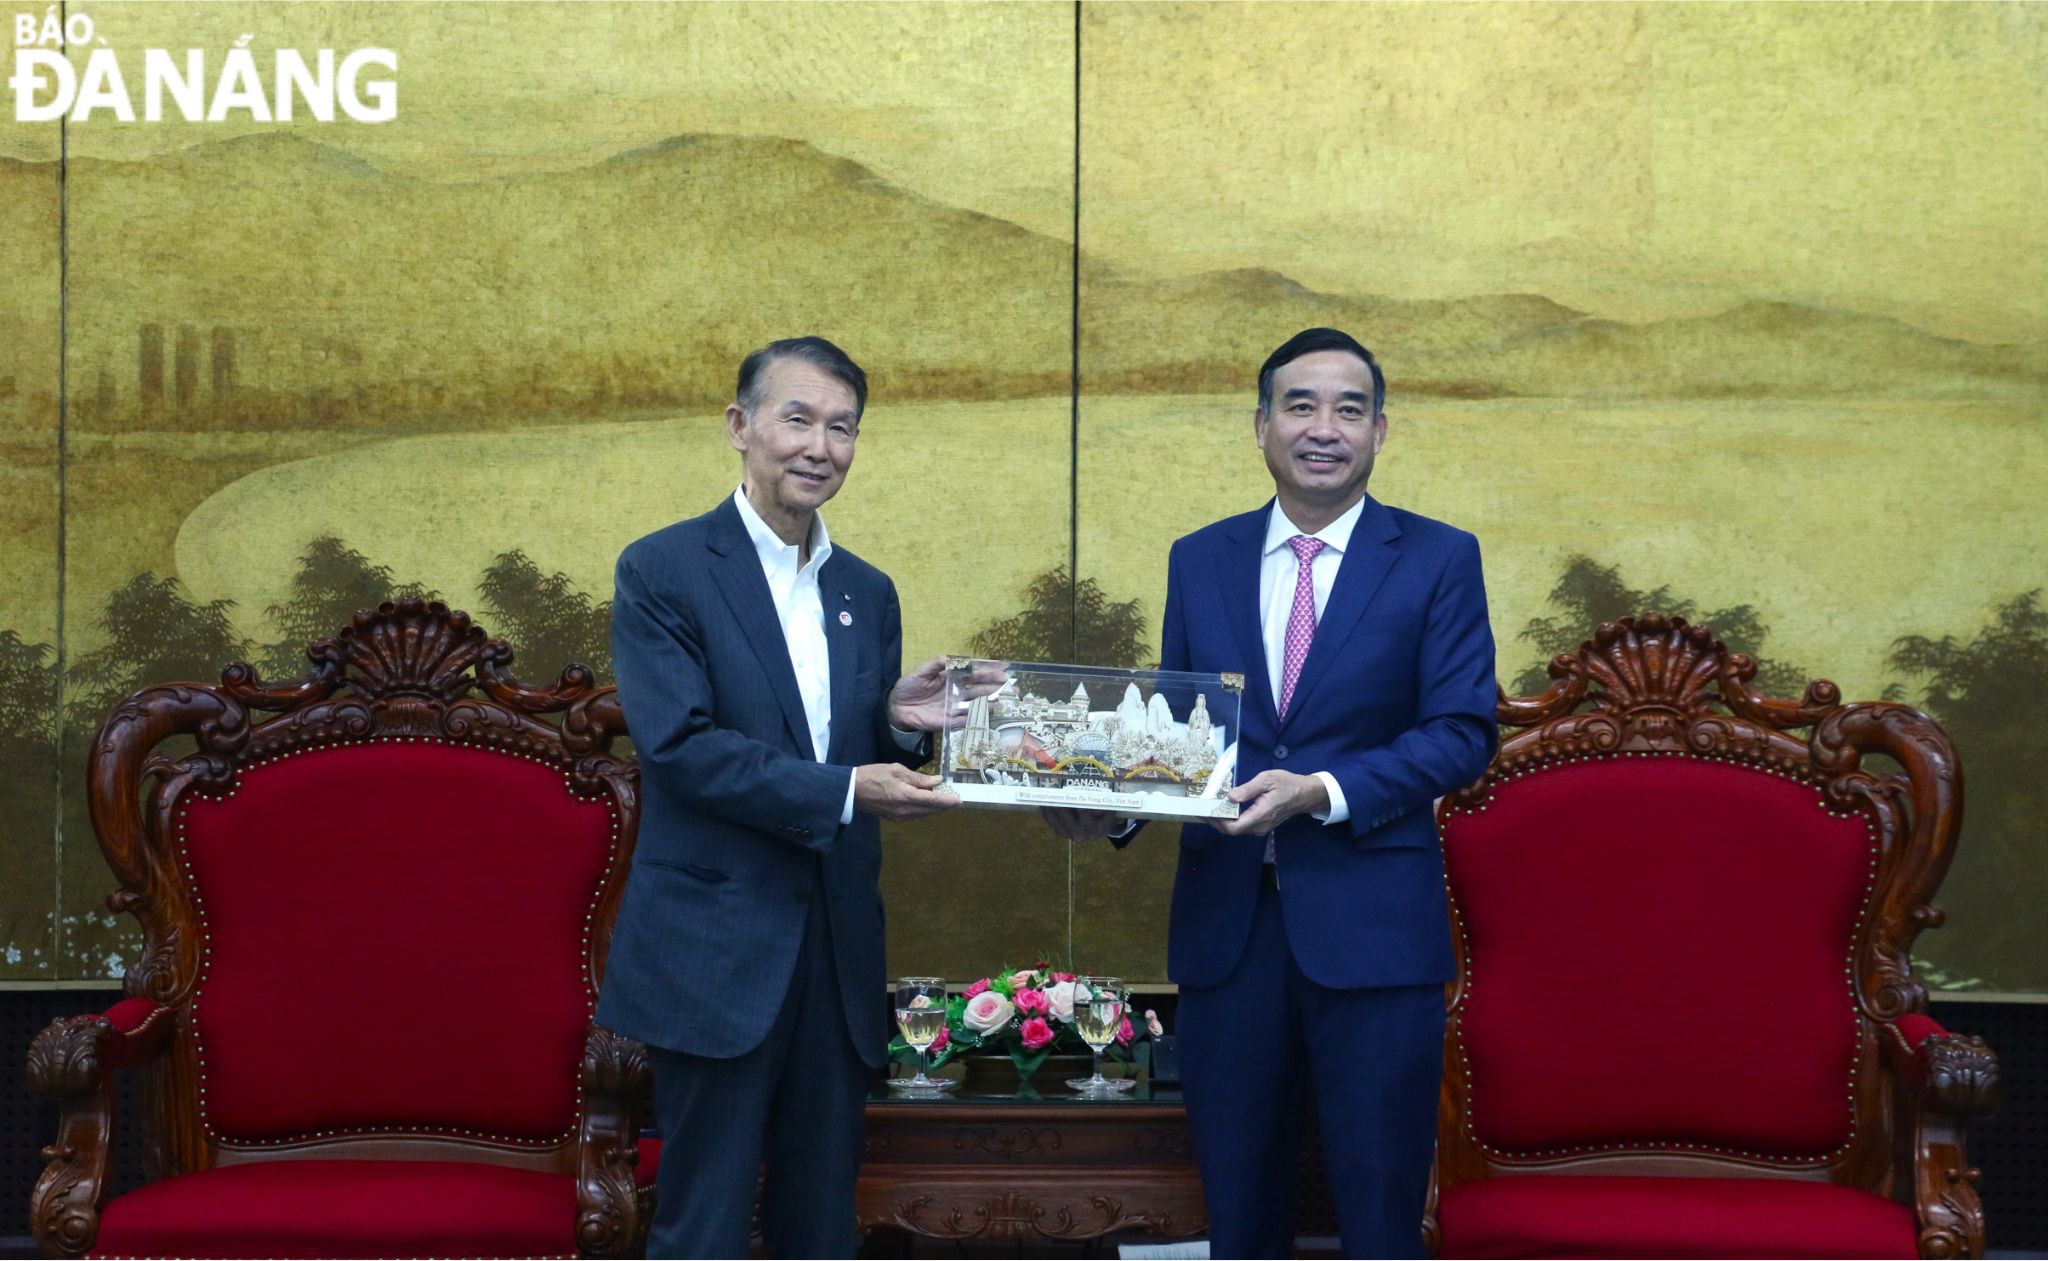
(817, 352)
(1307, 342)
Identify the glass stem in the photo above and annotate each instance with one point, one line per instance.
(922, 1058)
(1098, 1062)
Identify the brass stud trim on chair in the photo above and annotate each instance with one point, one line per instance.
(610, 803)
(1532, 764)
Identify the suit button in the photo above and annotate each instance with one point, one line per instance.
(1279, 753)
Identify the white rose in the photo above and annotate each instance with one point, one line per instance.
(987, 1012)
(1061, 997)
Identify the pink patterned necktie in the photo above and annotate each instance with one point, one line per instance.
(1301, 622)
(1301, 626)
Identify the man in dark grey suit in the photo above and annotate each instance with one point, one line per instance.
(758, 665)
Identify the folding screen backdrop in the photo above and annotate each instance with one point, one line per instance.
(1736, 311)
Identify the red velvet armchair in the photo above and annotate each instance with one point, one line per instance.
(374, 924)
(1686, 1022)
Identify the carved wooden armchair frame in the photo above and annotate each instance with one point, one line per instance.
(1655, 687)
(408, 672)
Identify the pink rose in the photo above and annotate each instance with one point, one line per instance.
(939, 1043)
(1063, 976)
(1036, 1033)
(1032, 1002)
(976, 988)
(1125, 1034)
(987, 1012)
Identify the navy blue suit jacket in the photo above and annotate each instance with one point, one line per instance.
(738, 820)
(1395, 699)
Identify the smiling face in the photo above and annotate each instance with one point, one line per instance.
(796, 445)
(1321, 435)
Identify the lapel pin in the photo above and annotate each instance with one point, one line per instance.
(845, 618)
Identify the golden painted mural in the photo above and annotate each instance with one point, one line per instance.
(1737, 310)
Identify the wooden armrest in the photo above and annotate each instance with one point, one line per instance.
(1962, 1075)
(71, 1057)
(1946, 1077)
(1958, 1073)
(611, 1218)
(73, 1061)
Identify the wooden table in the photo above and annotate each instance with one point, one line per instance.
(1008, 1168)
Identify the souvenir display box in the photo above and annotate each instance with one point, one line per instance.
(1158, 744)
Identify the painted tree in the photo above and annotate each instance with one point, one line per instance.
(1066, 623)
(549, 622)
(154, 634)
(28, 766)
(333, 584)
(1589, 593)
(28, 689)
(1989, 691)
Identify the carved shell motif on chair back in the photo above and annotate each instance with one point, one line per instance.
(380, 896)
(1680, 921)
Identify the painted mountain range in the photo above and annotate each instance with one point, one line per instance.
(637, 280)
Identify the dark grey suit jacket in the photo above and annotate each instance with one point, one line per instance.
(738, 820)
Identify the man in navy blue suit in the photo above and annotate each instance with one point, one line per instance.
(758, 666)
(1310, 935)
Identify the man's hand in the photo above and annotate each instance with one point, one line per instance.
(1272, 798)
(918, 701)
(1082, 825)
(896, 793)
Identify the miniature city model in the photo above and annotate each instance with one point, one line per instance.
(1025, 750)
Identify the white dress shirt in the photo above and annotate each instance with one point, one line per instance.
(801, 609)
(1279, 570)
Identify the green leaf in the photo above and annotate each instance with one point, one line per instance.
(1027, 1062)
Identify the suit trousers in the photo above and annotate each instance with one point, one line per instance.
(794, 1104)
(1254, 1048)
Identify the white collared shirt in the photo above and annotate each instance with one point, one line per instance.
(800, 607)
(801, 610)
(1279, 570)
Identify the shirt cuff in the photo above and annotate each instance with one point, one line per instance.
(846, 814)
(1340, 810)
(908, 741)
(1130, 826)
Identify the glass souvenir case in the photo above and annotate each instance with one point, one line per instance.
(1158, 744)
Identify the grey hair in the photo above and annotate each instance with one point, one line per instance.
(817, 352)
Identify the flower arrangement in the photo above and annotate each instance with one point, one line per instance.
(1026, 1013)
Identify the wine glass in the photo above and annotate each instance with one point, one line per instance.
(1099, 1003)
(920, 1014)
